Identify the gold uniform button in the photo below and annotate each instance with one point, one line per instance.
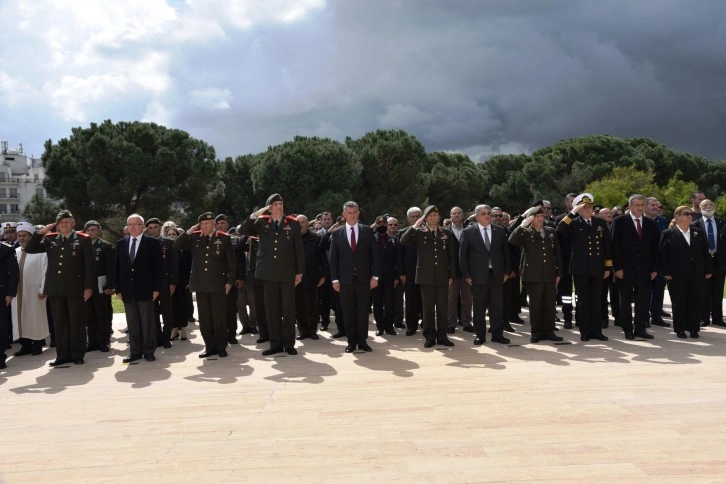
(60, 263)
(205, 269)
(59, 272)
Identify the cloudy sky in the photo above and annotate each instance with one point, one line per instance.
(476, 76)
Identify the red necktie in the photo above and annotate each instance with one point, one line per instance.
(640, 229)
(352, 239)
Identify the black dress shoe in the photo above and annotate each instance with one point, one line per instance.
(314, 336)
(643, 334)
(445, 342)
(719, 323)
(78, 361)
(245, 331)
(391, 332)
(659, 322)
(37, 351)
(301, 337)
(553, 337)
(150, 357)
(25, 350)
(60, 361)
(410, 332)
(324, 327)
(600, 337)
(508, 327)
(694, 334)
(350, 348)
(207, 354)
(231, 340)
(517, 320)
(339, 334)
(584, 338)
(605, 323)
(131, 358)
(222, 353)
(262, 340)
(365, 347)
(480, 341)
(500, 340)
(380, 332)
(568, 325)
(91, 348)
(272, 351)
(103, 348)
(535, 339)
(704, 324)
(3, 365)
(450, 330)
(399, 325)
(469, 328)
(167, 345)
(682, 334)
(429, 343)
(291, 351)
(629, 335)
(665, 314)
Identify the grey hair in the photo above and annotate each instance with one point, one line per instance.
(350, 204)
(413, 210)
(636, 197)
(479, 208)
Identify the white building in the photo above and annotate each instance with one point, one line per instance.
(21, 177)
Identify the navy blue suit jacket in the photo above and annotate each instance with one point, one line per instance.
(137, 281)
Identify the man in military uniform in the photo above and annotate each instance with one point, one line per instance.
(406, 264)
(222, 225)
(214, 270)
(164, 304)
(280, 266)
(541, 270)
(590, 264)
(100, 313)
(10, 234)
(435, 268)
(69, 283)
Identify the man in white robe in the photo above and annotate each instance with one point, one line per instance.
(30, 316)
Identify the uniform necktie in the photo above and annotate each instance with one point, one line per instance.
(277, 225)
(589, 224)
(487, 242)
(639, 228)
(352, 239)
(132, 254)
(63, 242)
(711, 236)
(206, 240)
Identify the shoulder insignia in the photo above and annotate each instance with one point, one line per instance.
(219, 232)
(7, 244)
(83, 234)
(290, 217)
(197, 232)
(264, 217)
(51, 234)
(566, 220)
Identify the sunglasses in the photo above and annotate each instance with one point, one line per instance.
(686, 214)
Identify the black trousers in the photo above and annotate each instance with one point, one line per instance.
(515, 307)
(589, 300)
(280, 311)
(712, 302)
(306, 310)
(354, 301)
(383, 304)
(685, 291)
(164, 310)
(542, 298)
(69, 321)
(412, 293)
(232, 312)
(490, 297)
(98, 324)
(638, 295)
(259, 295)
(245, 299)
(564, 296)
(325, 301)
(435, 312)
(141, 321)
(212, 307)
(657, 291)
(5, 328)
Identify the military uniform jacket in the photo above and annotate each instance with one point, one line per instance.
(169, 262)
(9, 271)
(71, 265)
(213, 260)
(104, 254)
(280, 255)
(435, 263)
(590, 245)
(542, 259)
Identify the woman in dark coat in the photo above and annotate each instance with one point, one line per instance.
(182, 297)
(685, 264)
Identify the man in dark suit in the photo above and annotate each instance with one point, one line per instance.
(635, 262)
(354, 270)
(590, 263)
(306, 293)
(69, 282)
(384, 294)
(9, 279)
(484, 260)
(100, 313)
(657, 290)
(280, 266)
(459, 290)
(435, 268)
(712, 301)
(564, 287)
(164, 304)
(541, 270)
(214, 271)
(138, 284)
(406, 263)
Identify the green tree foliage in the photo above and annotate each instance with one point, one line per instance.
(455, 181)
(107, 169)
(393, 177)
(239, 199)
(615, 189)
(312, 175)
(40, 210)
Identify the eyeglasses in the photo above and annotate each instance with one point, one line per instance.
(686, 214)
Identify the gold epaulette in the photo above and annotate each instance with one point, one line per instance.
(608, 263)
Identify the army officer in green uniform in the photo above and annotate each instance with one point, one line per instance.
(435, 268)
(69, 282)
(214, 271)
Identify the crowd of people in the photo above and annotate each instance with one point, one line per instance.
(283, 278)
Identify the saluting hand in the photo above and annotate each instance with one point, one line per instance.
(193, 229)
(261, 211)
(46, 229)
